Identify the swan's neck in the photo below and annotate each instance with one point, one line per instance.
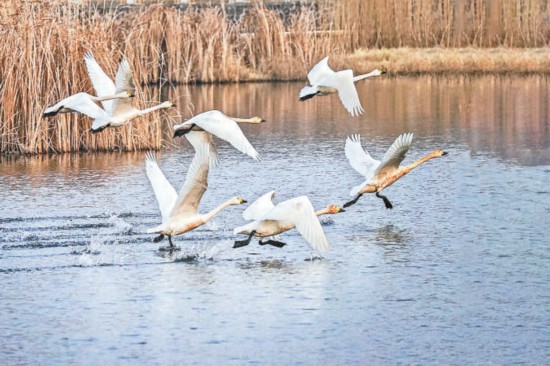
(243, 120)
(413, 165)
(106, 97)
(152, 109)
(324, 211)
(217, 210)
(364, 76)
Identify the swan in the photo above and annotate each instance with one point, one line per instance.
(326, 81)
(381, 174)
(120, 111)
(180, 211)
(271, 220)
(85, 103)
(218, 124)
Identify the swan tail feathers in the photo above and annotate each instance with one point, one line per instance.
(157, 229)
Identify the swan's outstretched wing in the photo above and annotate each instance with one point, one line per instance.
(195, 184)
(218, 124)
(343, 82)
(103, 84)
(360, 159)
(320, 72)
(199, 138)
(164, 192)
(80, 103)
(396, 153)
(300, 212)
(124, 83)
(260, 207)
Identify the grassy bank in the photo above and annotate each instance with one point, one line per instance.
(42, 47)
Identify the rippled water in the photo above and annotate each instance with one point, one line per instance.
(456, 273)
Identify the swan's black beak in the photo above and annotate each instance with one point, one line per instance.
(444, 153)
(263, 120)
(131, 95)
(244, 201)
(342, 210)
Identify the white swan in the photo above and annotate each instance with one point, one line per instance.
(271, 220)
(326, 81)
(180, 211)
(218, 124)
(381, 174)
(85, 103)
(120, 111)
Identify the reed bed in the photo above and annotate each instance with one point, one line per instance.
(43, 44)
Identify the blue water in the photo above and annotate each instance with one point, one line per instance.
(456, 273)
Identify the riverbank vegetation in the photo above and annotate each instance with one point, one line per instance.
(43, 44)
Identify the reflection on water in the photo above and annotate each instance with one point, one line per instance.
(505, 116)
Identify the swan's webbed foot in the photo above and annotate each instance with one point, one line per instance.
(158, 238)
(171, 247)
(183, 131)
(245, 242)
(385, 199)
(275, 243)
(309, 96)
(353, 201)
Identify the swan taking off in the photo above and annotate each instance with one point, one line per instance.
(224, 127)
(85, 103)
(180, 211)
(326, 81)
(381, 174)
(271, 220)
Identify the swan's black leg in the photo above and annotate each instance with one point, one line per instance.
(309, 96)
(385, 199)
(170, 241)
(158, 238)
(353, 201)
(275, 243)
(53, 113)
(99, 129)
(242, 243)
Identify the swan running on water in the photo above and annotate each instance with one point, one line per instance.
(271, 220)
(325, 81)
(218, 124)
(381, 174)
(180, 211)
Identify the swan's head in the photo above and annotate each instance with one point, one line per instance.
(333, 209)
(237, 201)
(383, 70)
(257, 119)
(130, 95)
(438, 153)
(168, 104)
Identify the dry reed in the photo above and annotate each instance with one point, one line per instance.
(42, 47)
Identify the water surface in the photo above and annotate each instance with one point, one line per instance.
(456, 273)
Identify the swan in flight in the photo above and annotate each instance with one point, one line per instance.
(180, 211)
(271, 220)
(218, 124)
(381, 174)
(326, 81)
(85, 103)
(118, 112)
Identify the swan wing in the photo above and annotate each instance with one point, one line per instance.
(103, 84)
(396, 153)
(124, 83)
(218, 124)
(360, 159)
(199, 138)
(299, 211)
(257, 209)
(82, 103)
(164, 192)
(320, 72)
(343, 82)
(195, 184)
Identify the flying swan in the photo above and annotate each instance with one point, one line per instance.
(271, 220)
(325, 81)
(180, 212)
(85, 103)
(218, 124)
(381, 174)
